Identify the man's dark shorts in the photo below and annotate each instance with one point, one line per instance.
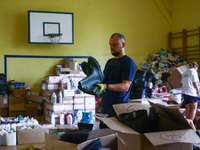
(190, 99)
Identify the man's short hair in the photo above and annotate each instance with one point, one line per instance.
(119, 35)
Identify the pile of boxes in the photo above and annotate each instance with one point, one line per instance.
(4, 106)
(25, 102)
(74, 100)
(71, 104)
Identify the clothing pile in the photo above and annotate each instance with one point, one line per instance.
(161, 64)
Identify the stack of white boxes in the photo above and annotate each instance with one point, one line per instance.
(72, 101)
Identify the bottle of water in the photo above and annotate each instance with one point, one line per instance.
(18, 124)
(13, 126)
(62, 119)
(53, 121)
(3, 126)
(8, 126)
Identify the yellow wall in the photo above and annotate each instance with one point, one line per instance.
(185, 15)
(142, 22)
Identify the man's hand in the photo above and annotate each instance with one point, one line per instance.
(102, 87)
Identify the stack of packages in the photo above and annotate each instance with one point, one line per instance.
(160, 64)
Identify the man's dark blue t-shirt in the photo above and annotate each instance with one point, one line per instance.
(117, 70)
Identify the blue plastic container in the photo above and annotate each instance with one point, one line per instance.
(87, 118)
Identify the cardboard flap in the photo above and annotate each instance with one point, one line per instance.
(99, 133)
(50, 137)
(60, 145)
(115, 125)
(176, 136)
(172, 114)
(129, 107)
(109, 141)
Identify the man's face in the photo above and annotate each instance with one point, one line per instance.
(116, 45)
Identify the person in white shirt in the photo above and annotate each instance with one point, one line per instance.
(190, 90)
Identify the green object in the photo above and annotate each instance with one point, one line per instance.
(59, 133)
(20, 117)
(94, 76)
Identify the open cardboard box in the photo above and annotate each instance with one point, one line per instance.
(107, 136)
(175, 132)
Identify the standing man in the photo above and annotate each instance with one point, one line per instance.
(119, 74)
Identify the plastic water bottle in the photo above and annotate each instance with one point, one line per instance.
(18, 124)
(3, 126)
(53, 121)
(13, 126)
(69, 119)
(62, 119)
(8, 126)
(75, 65)
(60, 99)
(53, 97)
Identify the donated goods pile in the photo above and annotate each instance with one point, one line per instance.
(63, 98)
(9, 126)
(158, 75)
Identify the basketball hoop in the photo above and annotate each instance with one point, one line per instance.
(54, 38)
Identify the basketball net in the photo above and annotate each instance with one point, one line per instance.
(54, 38)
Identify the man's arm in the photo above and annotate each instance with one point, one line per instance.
(196, 87)
(120, 87)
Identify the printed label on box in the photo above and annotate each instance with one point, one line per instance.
(5, 101)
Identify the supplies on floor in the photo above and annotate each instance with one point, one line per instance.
(95, 139)
(166, 69)
(167, 129)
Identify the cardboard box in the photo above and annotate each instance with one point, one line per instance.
(68, 93)
(66, 62)
(175, 132)
(4, 112)
(79, 99)
(175, 78)
(90, 102)
(34, 98)
(16, 113)
(146, 101)
(108, 140)
(52, 86)
(40, 106)
(31, 110)
(68, 106)
(30, 136)
(55, 107)
(19, 92)
(79, 106)
(14, 100)
(17, 107)
(53, 79)
(3, 102)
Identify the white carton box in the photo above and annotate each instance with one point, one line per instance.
(79, 100)
(68, 93)
(79, 106)
(68, 107)
(52, 86)
(53, 79)
(90, 102)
